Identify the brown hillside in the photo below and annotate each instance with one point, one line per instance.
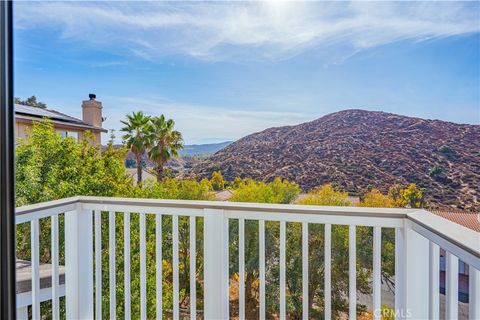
(355, 148)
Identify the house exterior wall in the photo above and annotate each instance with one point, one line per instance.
(23, 128)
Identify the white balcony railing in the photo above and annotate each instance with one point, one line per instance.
(419, 236)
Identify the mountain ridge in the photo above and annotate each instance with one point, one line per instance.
(355, 149)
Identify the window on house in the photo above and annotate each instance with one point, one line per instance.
(65, 134)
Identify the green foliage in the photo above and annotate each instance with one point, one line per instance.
(325, 196)
(154, 135)
(435, 171)
(277, 191)
(49, 167)
(374, 198)
(395, 193)
(32, 102)
(136, 138)
(170, 188)
(130, 163)
(413, 196)
(217, 181)
(387, 313)
(446, 149)
(165, 142)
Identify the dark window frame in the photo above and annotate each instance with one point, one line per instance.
(7, 174)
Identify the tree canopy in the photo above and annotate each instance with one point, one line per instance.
(31, 101)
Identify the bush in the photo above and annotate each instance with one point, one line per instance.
(171, 188)
(325, 196)
(375, 198)
(217, 181)
(277, 191)
(435, 171)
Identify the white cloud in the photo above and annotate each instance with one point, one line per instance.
(246, 30)
(214, 124)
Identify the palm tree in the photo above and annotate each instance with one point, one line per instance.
(137, 128)
(165, 143)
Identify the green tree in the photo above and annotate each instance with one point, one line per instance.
(32, 102)
(217, 181)
(374, 198)
(413, 196)
(50, 167)
(325, 196)
(395, 193)
(136, 138)
(165, 143)
(277, 191)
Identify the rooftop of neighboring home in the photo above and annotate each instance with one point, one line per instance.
(467, 219)
(35, 113)
(91, 115)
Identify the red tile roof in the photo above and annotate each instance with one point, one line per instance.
(467, 219)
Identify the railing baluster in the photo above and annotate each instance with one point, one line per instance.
(352, 272)
(112, 264)
(377, 268)
(216, 266)
(143, 268)
(451, 286)
(282, 270)
(305, 270)
(400, 266)
(411, 273)
(34, 238)
(79, 270)
(55, 280)
(474, 293)
(159, 266)
(261, 255)
(434, 304)
(193, 269)
(241, 268)
(126, 264)
(328, 271)
(22, 313)
(176, 311)
(98, 264)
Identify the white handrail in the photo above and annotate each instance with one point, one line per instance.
(429, 225)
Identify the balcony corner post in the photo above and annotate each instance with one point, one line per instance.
(216, 267)
(79, 263)
(411, 274)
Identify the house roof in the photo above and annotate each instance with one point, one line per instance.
(467, 219)
(32, 113)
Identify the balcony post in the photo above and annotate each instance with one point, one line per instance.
(79, 264)
(411, 274)
(216, 272)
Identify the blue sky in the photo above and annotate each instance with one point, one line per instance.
(224, 70)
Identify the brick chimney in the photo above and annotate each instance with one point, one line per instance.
(92, 111)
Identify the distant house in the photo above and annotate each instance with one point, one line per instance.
(145, 174)
(64, 124)
(223, 195)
